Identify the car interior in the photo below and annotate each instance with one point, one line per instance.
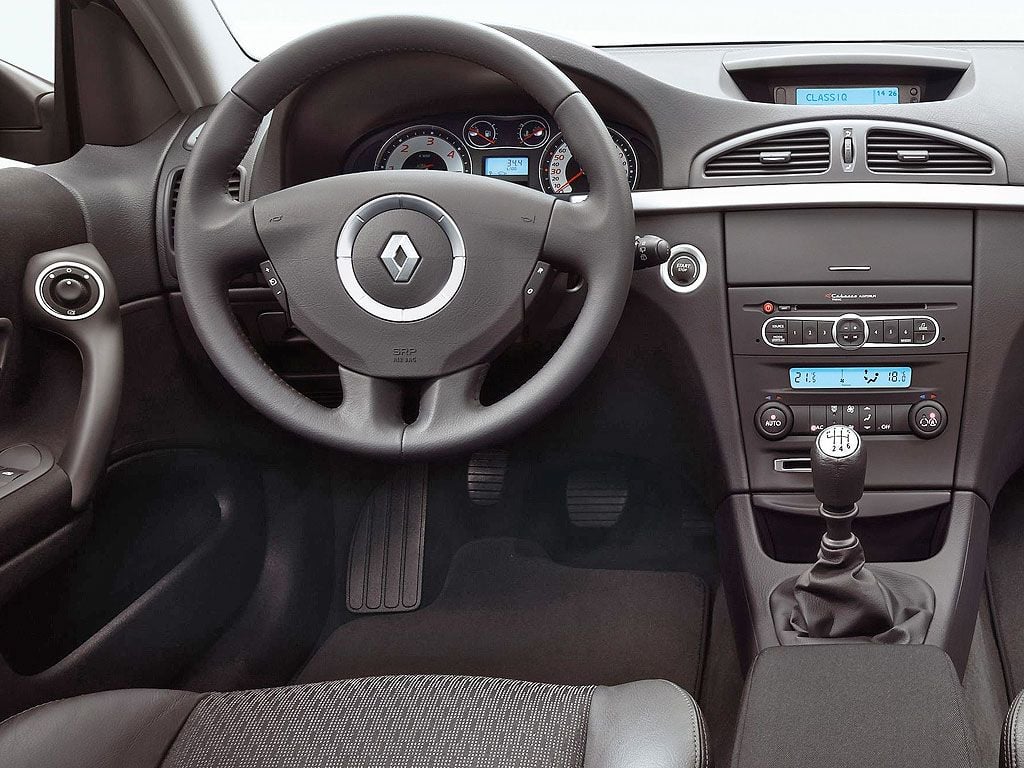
(679, 421)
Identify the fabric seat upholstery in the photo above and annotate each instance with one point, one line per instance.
(380, 722)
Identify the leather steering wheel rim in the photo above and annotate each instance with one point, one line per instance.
(218, 237)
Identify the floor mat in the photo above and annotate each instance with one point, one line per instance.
(507, 610)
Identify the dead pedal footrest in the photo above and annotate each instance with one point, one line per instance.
(596, 498)
(385, 563)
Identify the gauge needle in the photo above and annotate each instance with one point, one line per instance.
(474, 132)
(570, 181)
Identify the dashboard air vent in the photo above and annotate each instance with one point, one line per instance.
(235, 185)
(892, 151)
(803, 152)
(172, 206)
(234, 189)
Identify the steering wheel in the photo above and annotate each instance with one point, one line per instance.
(399, 275)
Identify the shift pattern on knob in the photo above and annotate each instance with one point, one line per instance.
(838, 441)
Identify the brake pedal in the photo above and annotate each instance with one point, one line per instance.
(485, 476)
(596, 498)
(385, 563)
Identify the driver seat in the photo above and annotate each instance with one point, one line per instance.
(384, 722)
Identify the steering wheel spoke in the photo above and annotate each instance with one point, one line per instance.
(370, 406)
(446, 401)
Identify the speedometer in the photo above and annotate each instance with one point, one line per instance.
(560, 174)
(424, 148)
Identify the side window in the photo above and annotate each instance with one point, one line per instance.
(27, 37)
(27, 54)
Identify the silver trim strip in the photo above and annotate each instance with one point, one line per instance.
(797, 464)
(347, 239)
(76, 265)
(835, 323)
(868, 194)
(702, 268)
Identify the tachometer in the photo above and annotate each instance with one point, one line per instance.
(425, 148)
(560, 174)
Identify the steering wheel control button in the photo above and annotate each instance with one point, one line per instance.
(650, 251)
(401, 258)
(928, 419)
(539, 280)
(774, 421)
(276, 286)
(69, 290)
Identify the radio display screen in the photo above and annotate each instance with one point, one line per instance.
(506, 166)
(848, 97)
(897, 377)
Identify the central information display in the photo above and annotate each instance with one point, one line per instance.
(848, 97)
(897, 377)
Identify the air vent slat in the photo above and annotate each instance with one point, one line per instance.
(797, 153)
(235, 185)
(172, 206)
(891, 151)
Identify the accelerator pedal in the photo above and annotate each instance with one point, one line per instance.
(385, 562)
(596, 498)
(485, 476)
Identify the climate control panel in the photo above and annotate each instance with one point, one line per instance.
(850, 331)
(925, 419)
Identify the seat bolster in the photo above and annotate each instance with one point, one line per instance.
(647, 724)
(128, 729)
(1012, 747)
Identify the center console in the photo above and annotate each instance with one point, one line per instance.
(856, 317)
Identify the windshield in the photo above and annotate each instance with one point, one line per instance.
(260, 26)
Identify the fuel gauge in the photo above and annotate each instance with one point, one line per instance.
(533, 133)
(481, 134)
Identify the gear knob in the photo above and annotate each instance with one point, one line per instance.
(839, 464)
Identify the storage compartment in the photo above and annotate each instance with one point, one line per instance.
(854, 705)
(893, 527)
(835, 246)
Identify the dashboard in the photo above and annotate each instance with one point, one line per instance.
(526, 149)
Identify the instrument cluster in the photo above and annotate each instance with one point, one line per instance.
(524, 149)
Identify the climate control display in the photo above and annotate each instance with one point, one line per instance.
(894, 377)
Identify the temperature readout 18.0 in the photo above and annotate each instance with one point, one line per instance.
(896, 377)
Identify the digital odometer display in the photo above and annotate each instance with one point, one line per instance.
(897, 377)
(847, 97)
(506, 166)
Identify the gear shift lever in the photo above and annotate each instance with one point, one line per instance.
(840, 597)
(839, 465)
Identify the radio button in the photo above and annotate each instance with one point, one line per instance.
(875, 328)
(906, 331)
(891, 331)
(775, 326)
(825, 331)
(850, 331)
(923, 338)
(796, 331)
(925, 325)
(809, 329)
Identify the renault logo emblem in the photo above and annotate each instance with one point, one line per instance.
(400, 257)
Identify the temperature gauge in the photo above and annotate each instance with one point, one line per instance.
(481, 134)
(533, 133)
